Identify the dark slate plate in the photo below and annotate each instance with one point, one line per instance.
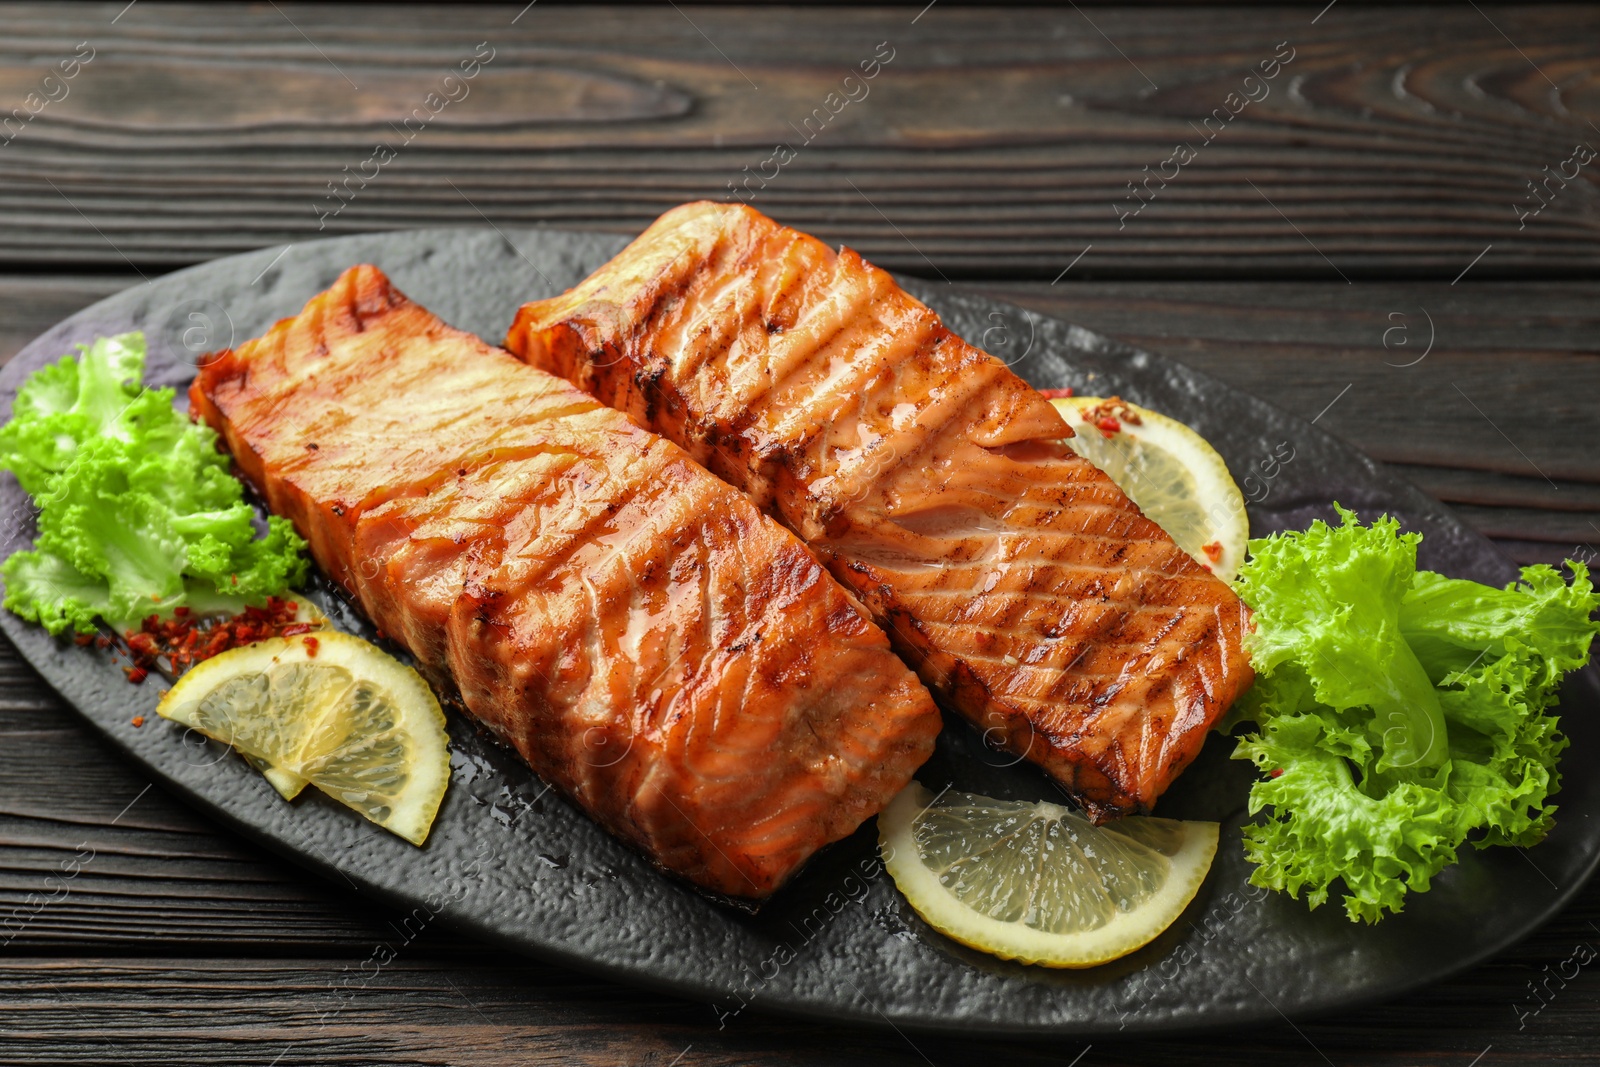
(517, 866)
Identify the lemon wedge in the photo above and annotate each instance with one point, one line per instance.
(1171, 472)
(287, 783)
(330, 709)
(1037, 882)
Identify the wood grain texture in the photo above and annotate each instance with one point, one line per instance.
(996, 145)
(178, 943)
(1483, 394)
(995, 142)
(248, 1010)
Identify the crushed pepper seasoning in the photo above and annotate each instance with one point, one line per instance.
(172, 646)
(1109, 415)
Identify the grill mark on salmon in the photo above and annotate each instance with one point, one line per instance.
(637, 630)
(1029, 592)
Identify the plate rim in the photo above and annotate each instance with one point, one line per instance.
(807, 1009)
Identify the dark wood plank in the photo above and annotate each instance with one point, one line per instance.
(1527, 354)
(192, 913)
(252, 1011)
(1496, 418)
(149, 873)
(996, 142)
(179, 943)
(164, 881)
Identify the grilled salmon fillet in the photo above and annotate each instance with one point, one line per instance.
(1029, 592)
(648, 640)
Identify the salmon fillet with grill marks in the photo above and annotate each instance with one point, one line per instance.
(1026, 588)
(648, 640)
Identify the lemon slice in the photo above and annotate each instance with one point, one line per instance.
(287, 783)
(333, 710)
(1175, 477)
(1038, 882)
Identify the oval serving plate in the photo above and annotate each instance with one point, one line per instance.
(515, 865)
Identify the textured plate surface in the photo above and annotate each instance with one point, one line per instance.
(517, 866)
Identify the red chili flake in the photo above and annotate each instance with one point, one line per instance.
(1213, 551)
(136, 674)
(1056, 394)
(183, 640)
(311, 647)
(235, 578)
(1108, 426)
(1277, 772)
(1113, 407)
(138, 720)
(83, 640)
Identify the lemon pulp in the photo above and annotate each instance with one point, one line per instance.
(287, 783)
(1038, 882)
(329, 709)
(1173, 474)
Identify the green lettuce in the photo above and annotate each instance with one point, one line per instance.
(1398, 714)
(137, 511)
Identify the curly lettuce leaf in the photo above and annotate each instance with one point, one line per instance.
(1321, 825)
(1336, 805)
(48, 590)
(69, 402)
(1332, 596)
(252, 568)
(1453, 622)
(138, 512)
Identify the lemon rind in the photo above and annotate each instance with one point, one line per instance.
(289, 784)
(1233, 528)
(428, 774)
(1126, 933)
(1217, 489)
(286, 782)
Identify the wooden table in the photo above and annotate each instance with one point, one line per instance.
(1358, 244)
